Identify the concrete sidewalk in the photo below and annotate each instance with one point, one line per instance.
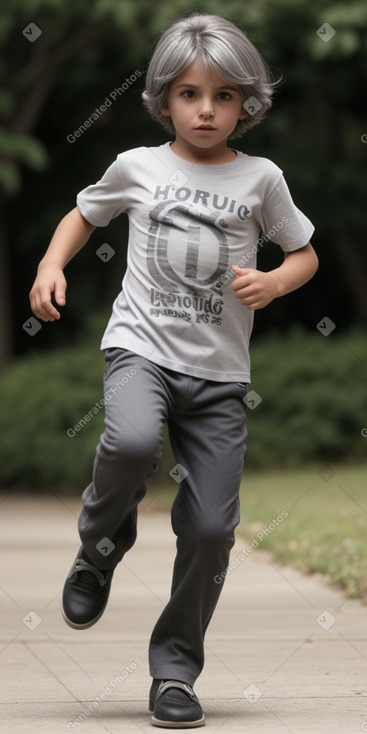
(284, 653)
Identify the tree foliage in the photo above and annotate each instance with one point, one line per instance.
(51, 84)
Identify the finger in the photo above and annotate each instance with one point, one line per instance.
(46, 308)
(60, 293)
(36, 308)
(50, 311)
(251, 306)
(254, 303)
(239, 271)
(60, 297)
(248, 292)
(241, 282)
(43, 314)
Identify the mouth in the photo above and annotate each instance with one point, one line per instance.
(205, 127)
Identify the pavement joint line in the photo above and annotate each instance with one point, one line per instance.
(294, 688)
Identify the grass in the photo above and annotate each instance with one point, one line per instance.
(325, 530)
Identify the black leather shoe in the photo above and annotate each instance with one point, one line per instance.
(174, 705)
(85, 593)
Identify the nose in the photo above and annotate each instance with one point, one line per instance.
(206, 107)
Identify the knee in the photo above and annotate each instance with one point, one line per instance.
(212, 533)
(130, 448)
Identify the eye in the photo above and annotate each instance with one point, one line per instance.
(224, 95)
(188, 93)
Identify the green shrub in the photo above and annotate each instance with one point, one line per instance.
(314, 399)
(313, 408)
(42, 397)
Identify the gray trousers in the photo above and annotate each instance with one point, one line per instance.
(206, 422)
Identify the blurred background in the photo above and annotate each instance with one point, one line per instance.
(60, 61)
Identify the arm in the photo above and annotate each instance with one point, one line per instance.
(256, 289)
(71, 235)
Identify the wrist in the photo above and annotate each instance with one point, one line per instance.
(47, 263)
(279, 285)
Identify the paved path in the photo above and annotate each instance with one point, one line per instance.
(271, 667)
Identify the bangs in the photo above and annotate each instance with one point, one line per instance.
(221, 46)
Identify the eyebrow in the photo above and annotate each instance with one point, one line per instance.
(196, 86)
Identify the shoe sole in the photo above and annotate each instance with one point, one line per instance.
(85, 625)
(178, 724)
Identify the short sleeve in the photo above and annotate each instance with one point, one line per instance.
(104, 200)
(282, 222)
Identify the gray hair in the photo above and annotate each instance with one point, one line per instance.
(219, 44)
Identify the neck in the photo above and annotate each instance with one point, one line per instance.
(210, 156)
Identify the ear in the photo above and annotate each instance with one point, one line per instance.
(165, 111)
(243, 114)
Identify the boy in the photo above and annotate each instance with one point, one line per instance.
(180, 330)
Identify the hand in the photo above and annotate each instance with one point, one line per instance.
(50, 280)
(254, 287)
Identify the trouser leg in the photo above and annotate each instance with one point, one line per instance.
(208, 435)
(136, 407)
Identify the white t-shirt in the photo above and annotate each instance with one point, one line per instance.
(188, 224)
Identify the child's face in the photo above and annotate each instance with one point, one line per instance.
(204, 110)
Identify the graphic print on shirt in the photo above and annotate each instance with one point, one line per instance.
(187, 254)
